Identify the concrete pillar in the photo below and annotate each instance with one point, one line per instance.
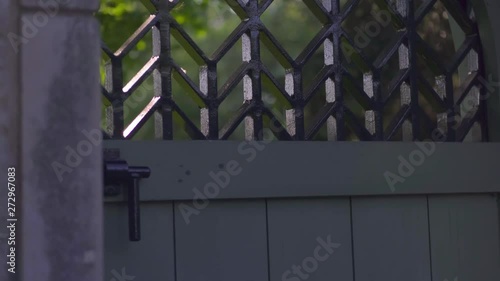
(49, 124)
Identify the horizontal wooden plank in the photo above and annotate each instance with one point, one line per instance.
(224, 169)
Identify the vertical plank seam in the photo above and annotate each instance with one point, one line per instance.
(267, 242)
(429, 234)
(352, 240)
(174, 241)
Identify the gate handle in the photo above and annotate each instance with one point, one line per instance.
(119, 172)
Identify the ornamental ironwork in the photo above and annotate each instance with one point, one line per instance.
(418, 99)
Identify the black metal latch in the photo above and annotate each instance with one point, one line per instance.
(118, 172)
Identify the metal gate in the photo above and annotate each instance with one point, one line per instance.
(409, 201)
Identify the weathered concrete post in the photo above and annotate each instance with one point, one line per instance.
(49, 133)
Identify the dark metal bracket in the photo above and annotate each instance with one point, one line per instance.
(118, 173)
